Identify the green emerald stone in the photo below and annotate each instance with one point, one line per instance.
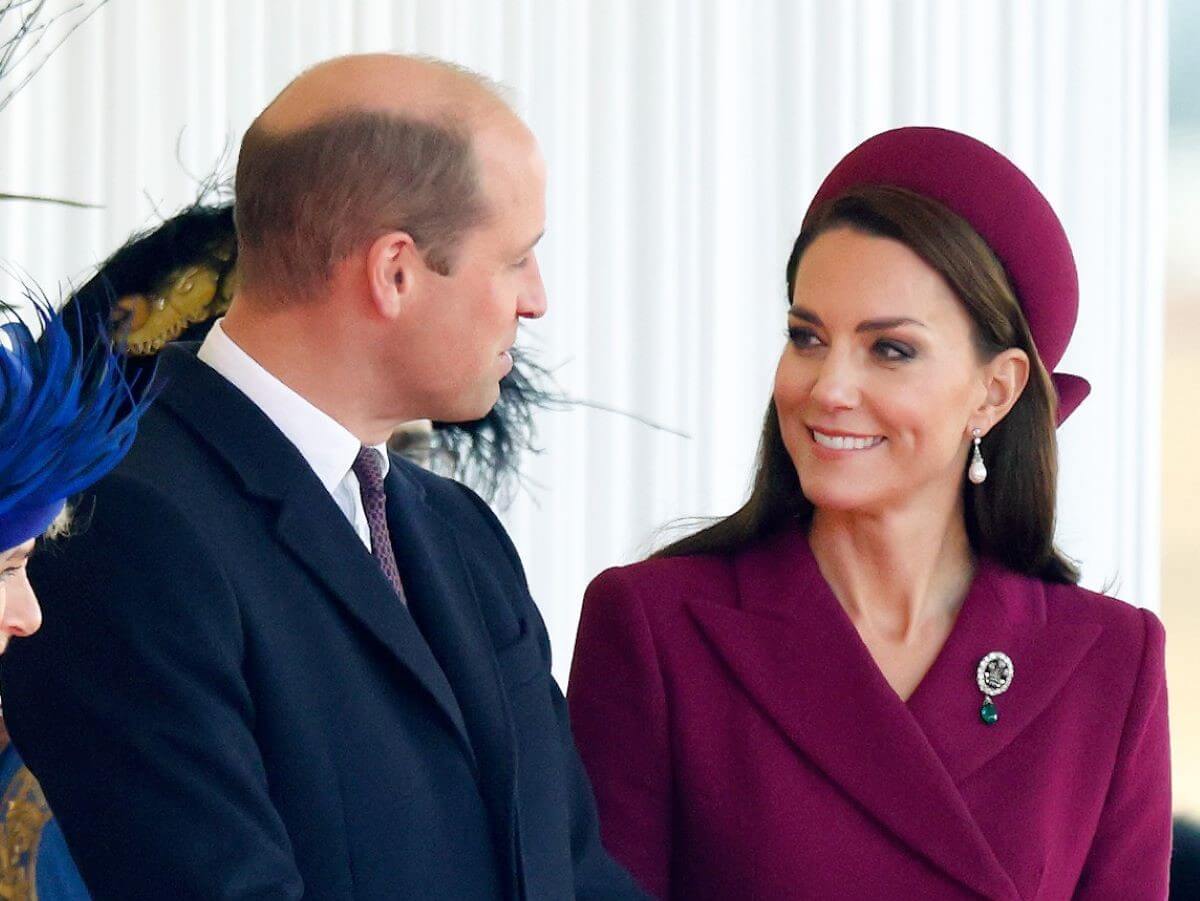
(988, 713)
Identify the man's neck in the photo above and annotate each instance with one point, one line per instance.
(314, 370)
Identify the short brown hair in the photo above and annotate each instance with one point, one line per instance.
(307, 198)
(1010, 517)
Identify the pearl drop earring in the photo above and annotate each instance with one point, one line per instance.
(977, 472)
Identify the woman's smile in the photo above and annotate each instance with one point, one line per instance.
(842, 441)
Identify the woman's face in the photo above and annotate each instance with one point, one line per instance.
(20, 614)
(880, 384)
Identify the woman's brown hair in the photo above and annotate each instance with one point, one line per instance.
(1010, 517)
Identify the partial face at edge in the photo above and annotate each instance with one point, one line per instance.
(880, 383)
(20, 614)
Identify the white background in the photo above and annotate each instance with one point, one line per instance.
(684, 139)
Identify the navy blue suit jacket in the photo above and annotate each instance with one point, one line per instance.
(228, 701)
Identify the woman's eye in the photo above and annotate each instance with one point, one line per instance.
(802, 337)
(894, 351)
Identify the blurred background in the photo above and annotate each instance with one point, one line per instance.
(1181, 395)
(684, 139)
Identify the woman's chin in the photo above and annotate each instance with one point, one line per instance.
(843, 498)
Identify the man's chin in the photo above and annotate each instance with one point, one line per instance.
(470, 411)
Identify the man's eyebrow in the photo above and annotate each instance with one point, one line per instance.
(532, 244)
(869, 325)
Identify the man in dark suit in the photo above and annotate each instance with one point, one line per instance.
(276, 661)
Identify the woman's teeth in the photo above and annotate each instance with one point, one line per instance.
(845, 442)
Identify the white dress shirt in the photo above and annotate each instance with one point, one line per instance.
(326, 445)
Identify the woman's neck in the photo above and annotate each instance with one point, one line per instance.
(897, 573)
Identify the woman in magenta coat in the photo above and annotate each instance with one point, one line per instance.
(878, 678)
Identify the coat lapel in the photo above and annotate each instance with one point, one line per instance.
(798, 656)
(307, 521)
(316, 534)
(444, 601)
(1005, 612)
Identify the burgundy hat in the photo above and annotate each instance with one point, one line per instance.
(1003, 206)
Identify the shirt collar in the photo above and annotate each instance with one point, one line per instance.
(327, 446)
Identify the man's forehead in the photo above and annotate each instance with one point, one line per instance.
(510, 159)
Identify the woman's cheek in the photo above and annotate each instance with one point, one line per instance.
(790, 386)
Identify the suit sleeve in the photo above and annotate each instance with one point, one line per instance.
(1130, 852)
(597, 876)
(618, 709)
(130, 707)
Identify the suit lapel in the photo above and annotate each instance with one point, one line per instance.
(1004, 612)
(798, 656)
(306, 520)
(328, 548)
(444, 601)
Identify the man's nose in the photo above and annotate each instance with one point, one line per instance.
(532, 302)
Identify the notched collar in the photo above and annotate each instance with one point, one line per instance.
(795, 652)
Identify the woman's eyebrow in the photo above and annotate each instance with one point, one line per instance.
(879, 325)
(804, 313)
(869, 325)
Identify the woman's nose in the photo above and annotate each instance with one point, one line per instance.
(836, 386)
(22, 615)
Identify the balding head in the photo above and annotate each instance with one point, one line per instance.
(414, 87)
(356, 147)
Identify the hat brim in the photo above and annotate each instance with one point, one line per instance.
(1071, 390)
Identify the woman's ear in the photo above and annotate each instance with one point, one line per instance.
(1005, 377)
(393, 272)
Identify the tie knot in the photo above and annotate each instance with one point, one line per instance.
(368, 469)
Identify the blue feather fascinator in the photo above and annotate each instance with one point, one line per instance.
(68, 415)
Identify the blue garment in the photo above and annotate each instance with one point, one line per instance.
(33, 844)
(67, 413)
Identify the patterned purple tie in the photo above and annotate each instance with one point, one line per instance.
(368, 468)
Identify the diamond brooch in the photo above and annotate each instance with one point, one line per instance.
(993, 676)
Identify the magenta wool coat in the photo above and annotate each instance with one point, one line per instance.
(743, 744)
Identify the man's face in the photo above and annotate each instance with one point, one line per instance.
(465, 324)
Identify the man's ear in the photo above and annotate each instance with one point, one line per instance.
(1005, 377)
(394, 273)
